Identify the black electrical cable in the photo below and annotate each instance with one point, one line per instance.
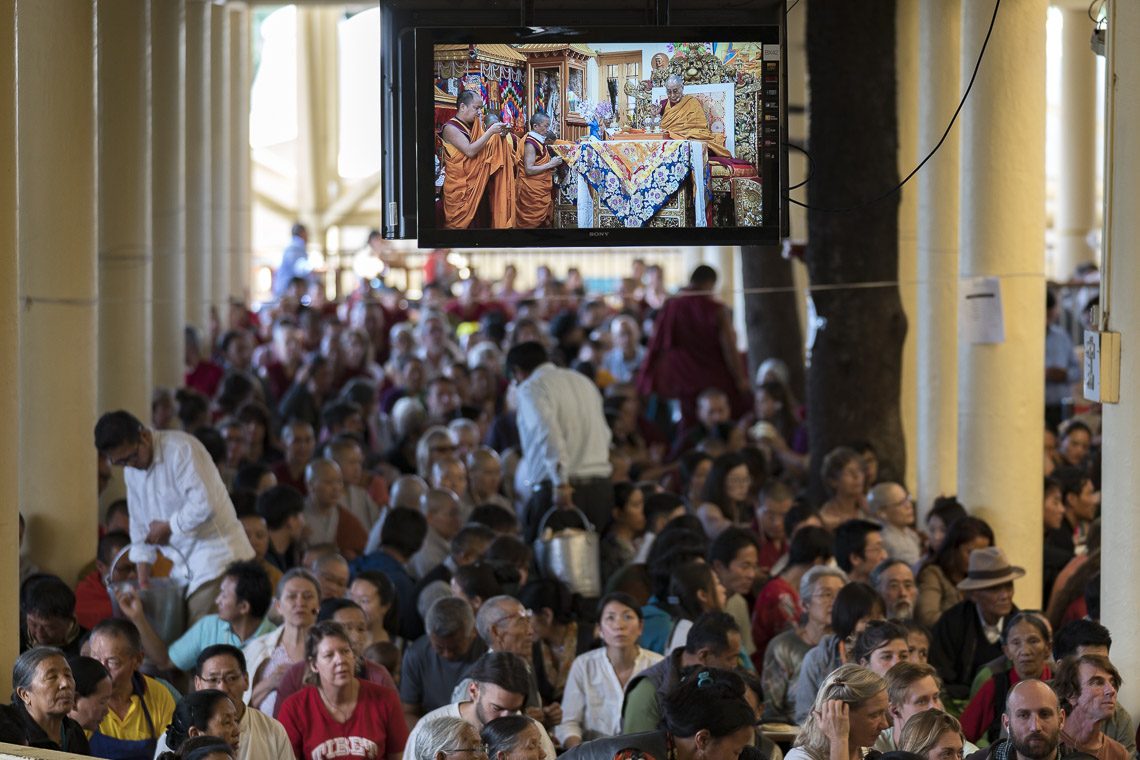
(811, 166)
(930, 155)
(793, 5)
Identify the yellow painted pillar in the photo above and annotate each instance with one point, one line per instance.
(199, 190)
(219, 158)
(937, 325)
(1076, 196)
(1001, 393)
(1120, 562)
(906, 64)
(122, 58)
(240, 256)
(10, 348)
(56, 254)
(168, 188)
(318, 96)
(799, 114)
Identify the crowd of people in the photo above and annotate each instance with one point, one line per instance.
(339, 541)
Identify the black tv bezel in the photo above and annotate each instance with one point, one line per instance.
(430, 236)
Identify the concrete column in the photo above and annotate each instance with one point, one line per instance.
(906, 59)
(799, 114)
(219, 158)
(168, 188)
(56, 257)
(9, 347)
(198, 157)
(1120, 562)
(1002, 232)
(691, 257)
(318, 93)
(122, 60)
(1076, 196)
(937, 326)
(240, 255)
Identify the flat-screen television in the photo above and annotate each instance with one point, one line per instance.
(565, 136)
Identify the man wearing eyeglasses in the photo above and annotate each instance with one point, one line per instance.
(177, 499)
(223, 667)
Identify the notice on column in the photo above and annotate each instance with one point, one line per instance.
(981, 312)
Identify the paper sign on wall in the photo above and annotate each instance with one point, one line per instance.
(981, 311)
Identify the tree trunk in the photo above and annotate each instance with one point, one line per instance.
(854, 382)
(772, 320)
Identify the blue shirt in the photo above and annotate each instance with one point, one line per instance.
(1059, 354)
(206, 632)
(294, 263)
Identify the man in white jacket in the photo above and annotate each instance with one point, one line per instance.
(176, 498)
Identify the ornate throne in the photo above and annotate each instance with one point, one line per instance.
(735, 181)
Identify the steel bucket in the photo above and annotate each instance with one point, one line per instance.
(571, 556)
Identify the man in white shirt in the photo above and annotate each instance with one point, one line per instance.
(498, 687)
(176, 499)
(222, 667)
(564, 438)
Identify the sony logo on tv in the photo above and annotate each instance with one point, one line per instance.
(599, 233)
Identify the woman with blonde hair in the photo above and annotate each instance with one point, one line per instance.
(934, 735)
(849, 713)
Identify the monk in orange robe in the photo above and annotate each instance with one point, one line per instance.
(466, 160)
(682, 117)
(535, 203)
(504, 162)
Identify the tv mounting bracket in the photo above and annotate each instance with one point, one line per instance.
(656, 12)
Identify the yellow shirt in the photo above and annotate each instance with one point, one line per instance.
(134, 726)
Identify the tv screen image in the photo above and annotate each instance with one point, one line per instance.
(586, 136)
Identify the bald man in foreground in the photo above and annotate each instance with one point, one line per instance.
(1033, 719)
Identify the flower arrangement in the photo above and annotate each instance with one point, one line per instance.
(603, 111)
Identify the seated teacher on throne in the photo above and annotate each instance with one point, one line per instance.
(682, 117)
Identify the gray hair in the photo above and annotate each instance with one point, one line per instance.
(462, 423)
(449, 616)
(491, 612)
(877, 497)
(881, 568)
(24, 669)
(440, 734)
(297, 572)
(812, 577)
(674, 79)
(408, 414)
(485, 354)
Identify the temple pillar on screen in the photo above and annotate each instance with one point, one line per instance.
(937, 254)
(1120, 532)
(58, 291)
(1001, 393)
(198, 175)
(168, 189)
(123, 201)
(1076, 194)
(240, 161)
(10, 348)
(220, 160)
(906, 56)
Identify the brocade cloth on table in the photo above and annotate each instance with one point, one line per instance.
(635, 178)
